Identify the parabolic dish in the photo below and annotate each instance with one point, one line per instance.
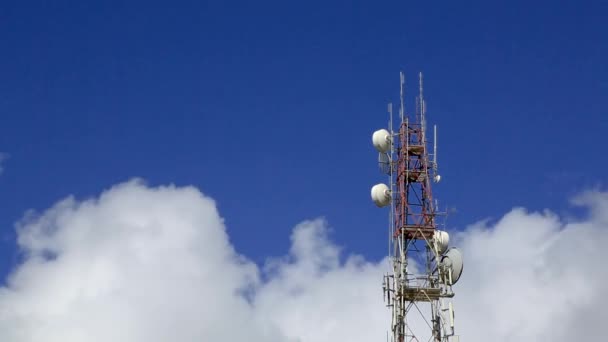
(442, 240)
(381, 195)
(452, 260)
(381, 140)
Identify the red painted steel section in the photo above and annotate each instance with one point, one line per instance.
(414, 210)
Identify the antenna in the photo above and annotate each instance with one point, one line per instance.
(435, 147)
(414, 236)
(437, 177)
(402, 109)
(390, 117)
(422, 105)
(390, 181)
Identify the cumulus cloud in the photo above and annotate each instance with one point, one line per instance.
(534, 277)
(137, 264)
(156, 264)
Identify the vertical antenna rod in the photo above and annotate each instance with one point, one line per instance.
(390, 177)
(435, 148)
(422, 106)
(402, 109)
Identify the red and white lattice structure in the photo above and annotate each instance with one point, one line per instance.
(418, 290)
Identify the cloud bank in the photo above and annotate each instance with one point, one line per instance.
(156, 264)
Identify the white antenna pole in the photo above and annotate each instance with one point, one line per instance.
(390, 178)
(435, 148)
(402, 110)
(390, 120)
(422, 105)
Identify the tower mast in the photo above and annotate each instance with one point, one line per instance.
(418, 290)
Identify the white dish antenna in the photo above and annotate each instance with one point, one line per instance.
(452, 262)
(381, 195)
(442, 239)
(382, 140)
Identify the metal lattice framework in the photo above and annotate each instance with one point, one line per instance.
(419, 287)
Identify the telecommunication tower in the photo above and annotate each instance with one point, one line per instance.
(418, 289)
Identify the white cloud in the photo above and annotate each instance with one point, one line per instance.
(137, 264)
(533, 277)
(311, 296)
(155, 264)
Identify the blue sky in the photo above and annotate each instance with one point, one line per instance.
(269, 107)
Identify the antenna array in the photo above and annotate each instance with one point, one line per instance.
(418, 290)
